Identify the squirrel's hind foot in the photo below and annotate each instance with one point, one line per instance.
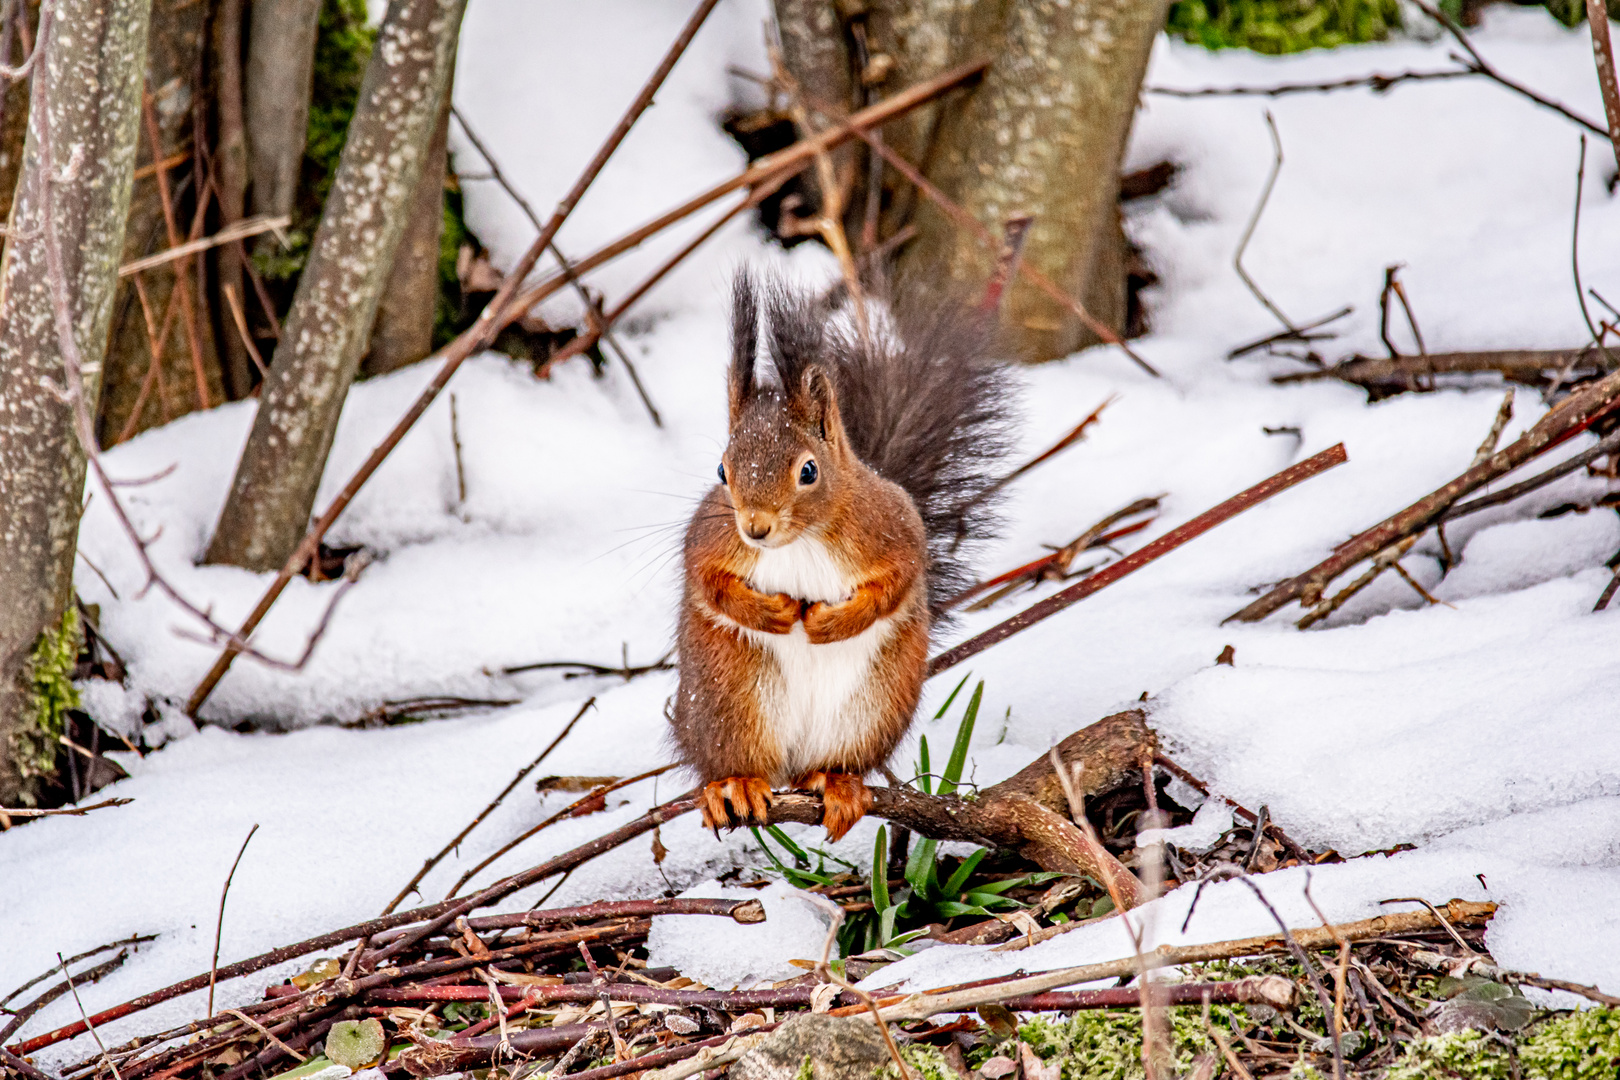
(844, 800)
(736, 800)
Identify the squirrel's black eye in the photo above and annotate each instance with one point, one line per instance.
(722, 472)
(807, 474)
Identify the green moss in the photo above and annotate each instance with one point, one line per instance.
(1282, 26)
(1106, 1044)
(1583, 1045)
(35, 743)
(807, 1069)
(448, 318)
(1576, 1046)
(927, 1062)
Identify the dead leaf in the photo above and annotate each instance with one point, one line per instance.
(1034, 1067)
(998, 1067)
(659, 851)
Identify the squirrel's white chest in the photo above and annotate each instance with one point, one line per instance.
(818, 700)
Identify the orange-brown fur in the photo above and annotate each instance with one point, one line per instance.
(745, 699)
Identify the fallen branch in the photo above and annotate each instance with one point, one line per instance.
(1171, 540)
(1378, 84)
(922, 1006)
(1568, 418)
(1383, 376)
(1272, 990)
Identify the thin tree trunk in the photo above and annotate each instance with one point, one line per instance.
(133, 397)
(232, 157)
(280, 77)
(88, 88)
(404, 330)
(333, 310)
(14, 102)
(1043, 135)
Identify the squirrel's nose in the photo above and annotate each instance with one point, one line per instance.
(756, 531)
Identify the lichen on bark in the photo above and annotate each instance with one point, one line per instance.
(91, 73)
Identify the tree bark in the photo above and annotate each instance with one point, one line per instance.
(87, 86)
(14, 118)
(1043, 135)
(333, 310)
(133, 397)
(280, 76)
(410, 301)
(232, 155)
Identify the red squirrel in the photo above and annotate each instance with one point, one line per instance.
(818, 565)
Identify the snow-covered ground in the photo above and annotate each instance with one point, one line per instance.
(1482, 731)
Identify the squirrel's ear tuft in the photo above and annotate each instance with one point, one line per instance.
(744, 343)
(816, 405)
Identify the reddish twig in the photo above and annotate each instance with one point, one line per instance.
(410, 886)
(1171, 540)
(1569, 418)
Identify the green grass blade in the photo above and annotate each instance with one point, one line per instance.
(924, 781)
(800, 856)
(964, 735)
(958, 880)
(945, 707)
(880, 870)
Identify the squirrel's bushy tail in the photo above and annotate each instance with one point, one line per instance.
(924, 402)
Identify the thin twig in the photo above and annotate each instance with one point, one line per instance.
(240, 230)
(1479, 64)
(240, 320)
(455, 445)
(1254, 219)
(1504, 413)
(410, 886)
(1171, 540)
(568, 811)
(94, 1034)
(262, 1030)
(219, 926)
(64, 811)
(1377, 83)
(592, 304)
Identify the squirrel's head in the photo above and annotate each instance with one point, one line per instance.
(788, 448)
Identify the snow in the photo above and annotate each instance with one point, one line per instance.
(1480, 730)
(720, 953)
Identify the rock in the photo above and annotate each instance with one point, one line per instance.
(836, 1047)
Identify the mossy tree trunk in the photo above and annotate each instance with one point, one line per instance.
(88, 89)
(335, 305)
(1043, 134)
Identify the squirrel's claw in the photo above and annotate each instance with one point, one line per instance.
(844, 800)
(736, 800)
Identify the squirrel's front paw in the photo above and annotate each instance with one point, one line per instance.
(734, 801)
(824, 623)
(777, 613)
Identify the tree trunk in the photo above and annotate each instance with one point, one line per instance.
(333, 310)
(14, 117)
(134, 397)
(88, 88)
(280, 76)
(410, 301)
(1044, 135)
(232, 156)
